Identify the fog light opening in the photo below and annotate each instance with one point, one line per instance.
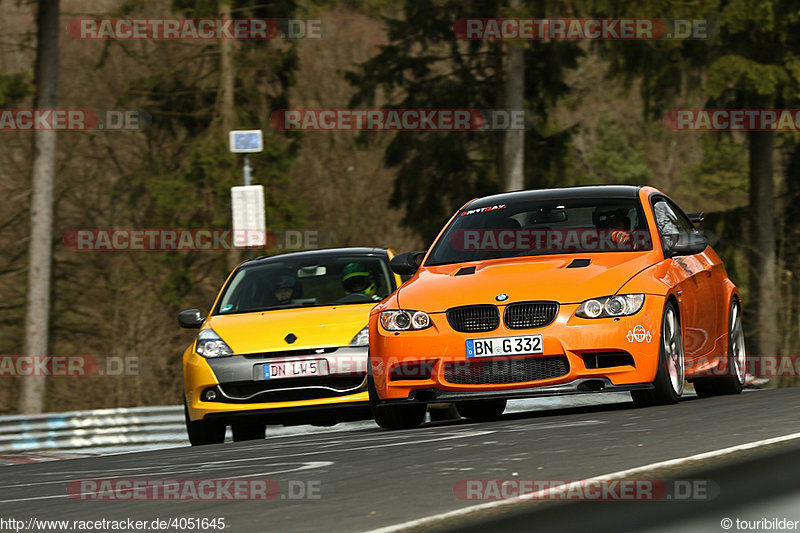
(425, 396)
(592, 385)
(210, 395)
(413, 370)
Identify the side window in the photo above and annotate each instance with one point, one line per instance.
(672, 224)
(670, 221)
(684, 222)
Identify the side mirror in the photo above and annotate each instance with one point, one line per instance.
(406, 264)
(696, 218)
(190, 319)
(685, 244)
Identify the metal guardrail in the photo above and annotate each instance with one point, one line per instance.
(99, 428)
(137, 428)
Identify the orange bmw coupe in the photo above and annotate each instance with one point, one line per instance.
(549, 292)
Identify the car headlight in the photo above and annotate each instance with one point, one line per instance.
(209, 344)
(404, 320)
(361, 338)
(611, 306)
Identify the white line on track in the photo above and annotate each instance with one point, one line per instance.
(194, 464)
(303, 466)
(431, 519)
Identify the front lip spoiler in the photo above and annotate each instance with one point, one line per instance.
(358, 388)
(299, 415)
(578, 386)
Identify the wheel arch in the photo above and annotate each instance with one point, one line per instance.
(672, 297)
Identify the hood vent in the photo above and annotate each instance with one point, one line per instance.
(579, 263)
(465, 271)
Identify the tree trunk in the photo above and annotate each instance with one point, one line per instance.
(225, 103)
(514, 141)
(227, 74)
(37, 310)
(791, 255)
(762, 207)
(513, 167)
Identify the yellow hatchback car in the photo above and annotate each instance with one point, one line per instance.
(286, 342)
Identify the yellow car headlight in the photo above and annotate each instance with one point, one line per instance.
(209, 344)
(361, 338)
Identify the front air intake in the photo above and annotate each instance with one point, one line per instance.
(474, 318)
(526, 315)
(501, 371)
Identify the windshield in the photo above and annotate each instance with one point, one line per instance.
(543, 227)
(306, 282)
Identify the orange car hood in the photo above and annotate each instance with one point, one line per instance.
(437, 288)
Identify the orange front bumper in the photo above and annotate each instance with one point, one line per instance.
(576, 339)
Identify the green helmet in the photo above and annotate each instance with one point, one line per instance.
(356, 278)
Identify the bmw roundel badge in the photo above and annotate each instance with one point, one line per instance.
(502, 297)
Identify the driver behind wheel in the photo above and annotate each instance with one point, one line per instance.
(358, 280)
(617, 222)
(284, 289)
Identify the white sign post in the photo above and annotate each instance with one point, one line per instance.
(247, 203)
(246, 141)
(249, 222)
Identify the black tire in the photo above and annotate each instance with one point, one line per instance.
(394, 416)
(482, 410)
(203, 432)
(669, 381)
(242, 432)
(737, 360)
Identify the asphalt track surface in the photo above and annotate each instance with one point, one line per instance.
(371, 479)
